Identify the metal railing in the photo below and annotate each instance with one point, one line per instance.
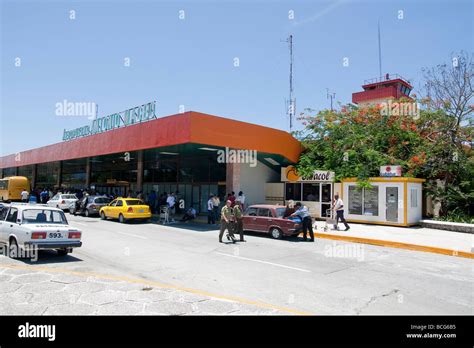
(386, 77)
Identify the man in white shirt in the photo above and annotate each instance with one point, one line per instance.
(216, 202)
(210, 211)
(241, 200)
(24, 196)
(171, 200)
(339, 209)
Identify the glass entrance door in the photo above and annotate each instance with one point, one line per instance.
(391, 213)
(326, 198)
(196, 203)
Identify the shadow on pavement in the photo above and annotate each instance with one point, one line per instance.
(48, 257)
(192, 226)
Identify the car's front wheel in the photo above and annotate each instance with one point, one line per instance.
(276, 233)
(86, 213)
(102, 215)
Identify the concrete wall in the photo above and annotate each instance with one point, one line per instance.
(252, 182)
(275, 193)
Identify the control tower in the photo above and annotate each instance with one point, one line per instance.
(378, 90)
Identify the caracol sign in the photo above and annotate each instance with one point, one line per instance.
(138, 114)
(289, 174)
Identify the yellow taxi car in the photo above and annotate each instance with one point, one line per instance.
(125, 209)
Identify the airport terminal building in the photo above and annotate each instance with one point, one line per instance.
(193, 153)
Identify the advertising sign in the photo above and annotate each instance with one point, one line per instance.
(289, 174)
(391, 171)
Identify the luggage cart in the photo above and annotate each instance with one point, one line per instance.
(330, 219)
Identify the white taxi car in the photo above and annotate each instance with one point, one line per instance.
(36, 226)
(62, 201)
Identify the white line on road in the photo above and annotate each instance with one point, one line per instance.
(131, 234)
(265, 262)
(80, 223)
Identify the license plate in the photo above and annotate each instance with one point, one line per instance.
(55, 235)
(141, 210)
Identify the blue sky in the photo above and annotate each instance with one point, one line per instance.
(190, 62)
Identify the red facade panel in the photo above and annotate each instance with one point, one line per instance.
(378, 93)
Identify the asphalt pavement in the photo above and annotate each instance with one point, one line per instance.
(259, 276)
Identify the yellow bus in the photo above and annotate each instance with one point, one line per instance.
(12, 186)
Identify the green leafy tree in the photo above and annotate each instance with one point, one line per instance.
(435, 144)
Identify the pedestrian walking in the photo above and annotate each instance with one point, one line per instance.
(24, 196)
(216, 202)
(210, 211)
(237, 210)
(339, 209)
(226, 217)
(303, 212)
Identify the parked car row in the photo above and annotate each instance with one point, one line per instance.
(123, 209)
(263, 218)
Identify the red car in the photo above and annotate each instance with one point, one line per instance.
(269, 219)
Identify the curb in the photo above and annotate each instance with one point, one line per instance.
(399, 245)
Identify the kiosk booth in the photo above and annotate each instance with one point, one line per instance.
(393, 201)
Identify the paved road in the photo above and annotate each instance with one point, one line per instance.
(289, 276)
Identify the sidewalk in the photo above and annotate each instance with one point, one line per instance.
(413, 238)
(36, 290)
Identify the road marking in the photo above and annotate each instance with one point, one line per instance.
(265, 262)
(130, 234)
(80, 223)
(160, 285)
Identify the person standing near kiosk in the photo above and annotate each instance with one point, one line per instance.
(339, 209)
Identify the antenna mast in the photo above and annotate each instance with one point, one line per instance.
(330, 96)
(380, 53)
(291, 104)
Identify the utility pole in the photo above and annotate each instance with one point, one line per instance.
(330, 96)
(380, 53)
(291, 103)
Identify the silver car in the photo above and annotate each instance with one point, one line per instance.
(36, 226)
(89, 205)
(62, 201)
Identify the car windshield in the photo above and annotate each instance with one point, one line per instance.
(69, 197)
(280, 212)
(37, 216)
(102, 200)
(134, 202)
